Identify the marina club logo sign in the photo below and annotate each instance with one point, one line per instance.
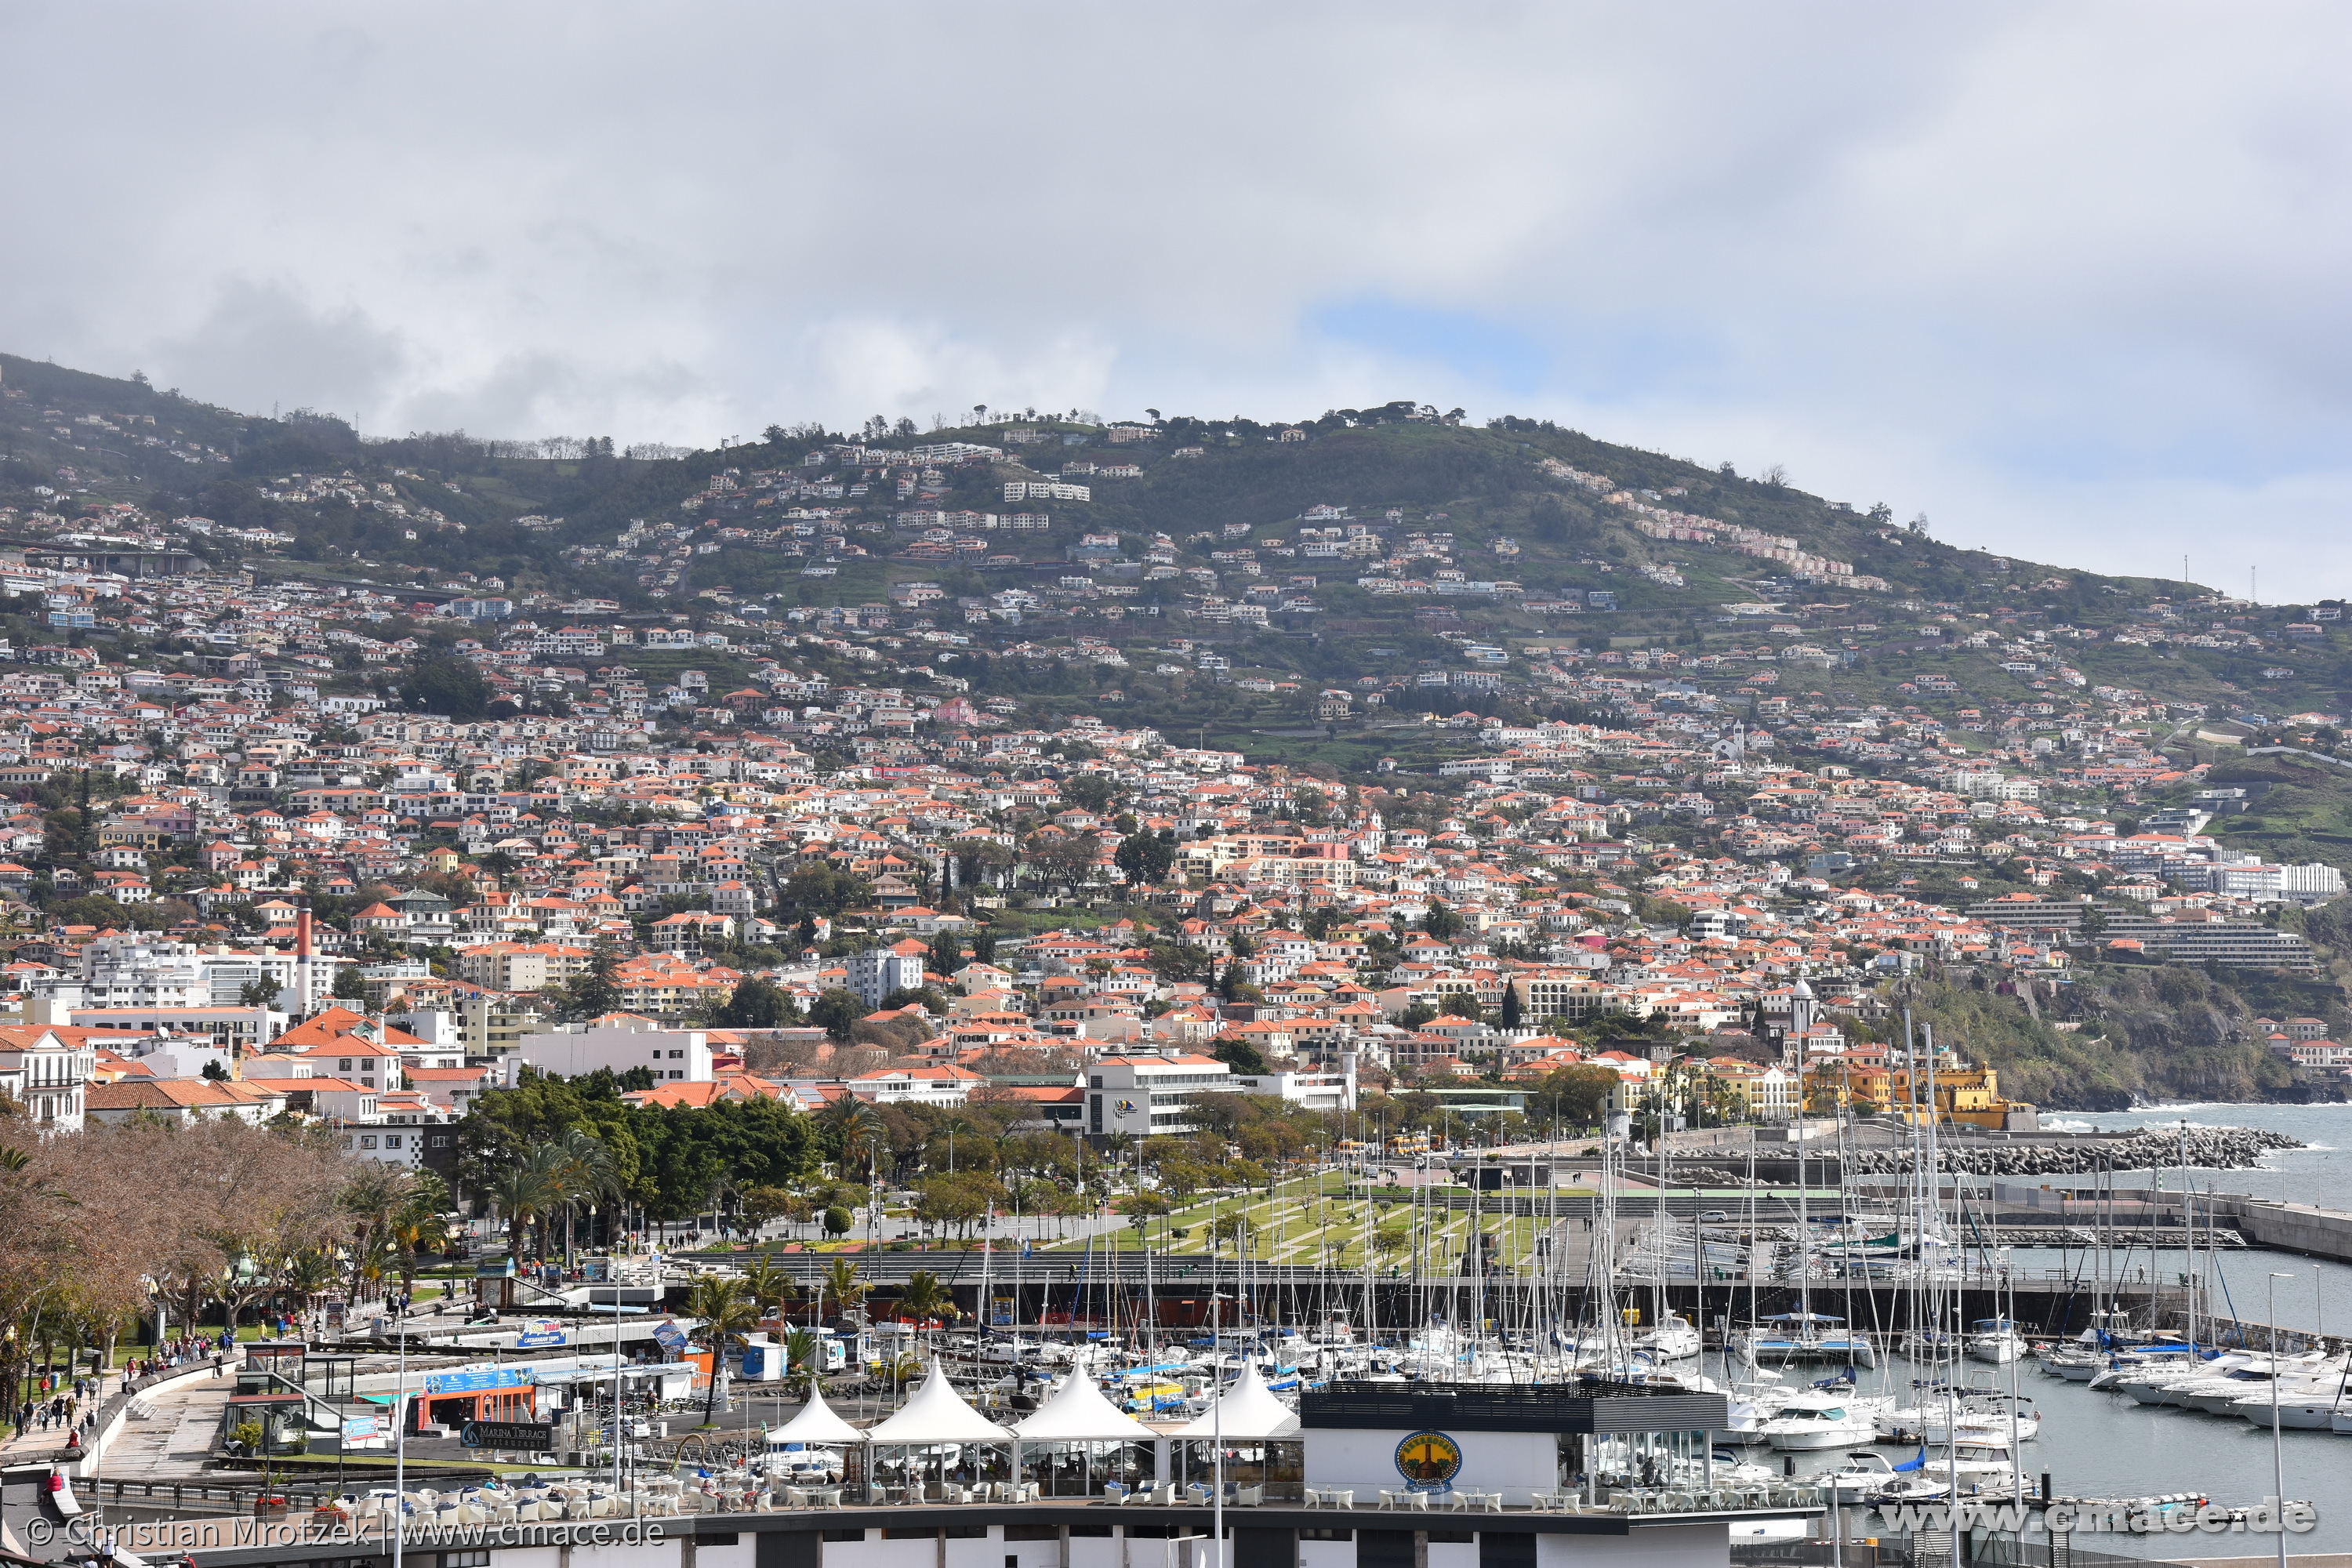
(1429, 1458)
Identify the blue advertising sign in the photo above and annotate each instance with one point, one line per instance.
(539, 1339)
(477, 1379)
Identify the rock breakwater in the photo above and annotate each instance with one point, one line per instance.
(2206, 1148)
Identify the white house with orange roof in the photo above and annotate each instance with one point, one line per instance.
(46, 1074)
(943, 1085)
(181, 1102)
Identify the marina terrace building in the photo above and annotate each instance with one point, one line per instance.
(1361, 1475)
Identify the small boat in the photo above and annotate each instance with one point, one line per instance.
(1867, 1473)
(1813, 1421)
(1994, 1340)
(2073, 1364)
(1674, 1339)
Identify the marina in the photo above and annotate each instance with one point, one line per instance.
(1749, 1363)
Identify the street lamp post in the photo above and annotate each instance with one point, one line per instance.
(400, 1443)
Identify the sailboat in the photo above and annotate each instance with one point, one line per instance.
(1805, 1336)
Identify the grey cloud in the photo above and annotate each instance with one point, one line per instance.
(263, 343)
(2059, 275)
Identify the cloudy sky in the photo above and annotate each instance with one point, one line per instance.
(2067, 278)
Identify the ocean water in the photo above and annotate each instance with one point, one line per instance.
(2317, 1297)
(2105, 1444)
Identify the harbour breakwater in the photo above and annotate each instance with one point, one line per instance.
(2202, 1148)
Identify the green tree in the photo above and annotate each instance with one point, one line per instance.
(802, 1368)
(1089, 792)
(1573, 1096)
(527, 1192)
(594, 990)
(767, 1203)
(260, 993)
(757, 1004)
(1442, 923)
(728, 1315)
(421, 1224)
(1241, 1056)
(836, 1010)
(771, 1286)
(946, 955)
(924, 1299)
(451, 687)
(840, 1281)
(1145, 857)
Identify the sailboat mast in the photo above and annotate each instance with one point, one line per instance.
(1804, 1260)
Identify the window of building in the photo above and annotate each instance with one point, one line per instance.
(367, 1140)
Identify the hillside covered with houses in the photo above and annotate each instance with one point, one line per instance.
(1378, 768)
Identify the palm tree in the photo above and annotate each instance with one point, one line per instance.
(841, 1282)
(420, 1225)
(371, 1198)
(770, 1286)
(305, 1274)
(923, 1298)
(528, 1191)
(728, 1314)
(856, 1128)
(589, 1174)
(800, 1361)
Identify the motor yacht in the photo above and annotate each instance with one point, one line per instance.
(1820, 1419)
(1995, 1340)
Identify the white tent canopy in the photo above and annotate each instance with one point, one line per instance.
(937, 1414)
(1079, 1414)
(816, 1422)
(1250, 1412)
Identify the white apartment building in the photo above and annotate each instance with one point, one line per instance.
(1146, 1095)
(568, 1050)
(1314, 1090)
(234, 1029)
(879, 971)
(144, 971)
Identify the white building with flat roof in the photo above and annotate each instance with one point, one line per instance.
(1152, 1094)
(569, 1050)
